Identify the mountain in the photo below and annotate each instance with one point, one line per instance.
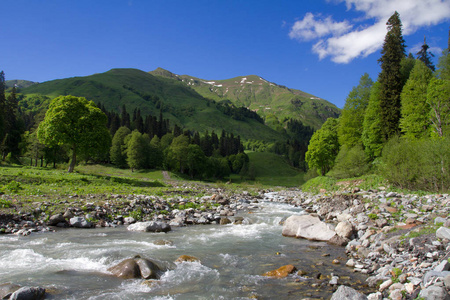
(19, 83)
(266, 98)
(180, 103)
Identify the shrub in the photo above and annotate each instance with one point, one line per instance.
(417, 164)
(350, 162)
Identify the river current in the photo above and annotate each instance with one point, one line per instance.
(73, 263)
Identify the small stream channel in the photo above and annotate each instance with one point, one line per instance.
(73, 263)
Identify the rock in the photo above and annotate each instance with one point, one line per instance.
(187, 258)
(224, 221)
(129, 220)
(385, 285)
(443, 266)
(148, 269)
(439, 220)
(28, 293)
(127, 269)
(344, 217)
(375, 296)
(347, 293)
(344, 229)
(431, 274)
(338, 241)
(307, 227)
(396, 294)
(381, 222)
(150, 226)
(334, 280)
(55, 219)
(281, 272)
(447, 281)
(336, 262)
(350, 263)
(434, 293)
(443, 233)
(6, 289)
(80, 222)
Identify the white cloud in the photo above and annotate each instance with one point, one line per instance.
(342, 44)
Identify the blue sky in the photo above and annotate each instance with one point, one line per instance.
(318, 46)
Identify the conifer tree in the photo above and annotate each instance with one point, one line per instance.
(414, 122)
(390, 77)
(2, 105)
(424, 56)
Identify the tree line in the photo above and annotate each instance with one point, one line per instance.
(75, 129)
(397, 125)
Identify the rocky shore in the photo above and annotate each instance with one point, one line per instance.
(400, 241)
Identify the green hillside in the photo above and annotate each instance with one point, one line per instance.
(262, 96)
(138, 89)
(19, 83)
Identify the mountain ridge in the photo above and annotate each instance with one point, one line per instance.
(266, 98)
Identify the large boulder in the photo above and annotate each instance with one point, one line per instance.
(434, 293)
(127, 269)
(28, 293)
(150, 226)
(136, 267)
(307, 227)
(55, 219)
(149, 270)
(443, 233)
(347, 293)
(80, 222)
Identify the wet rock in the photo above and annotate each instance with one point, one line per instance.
(6, 289)
(150, 226)
(434, 293)
(80, 222)
(281, 272)
(307, 227)
(28, 293)
(55, 219)
(127, 269)
(187, 258)
(224, 221)
(347, 293)
(148, 269)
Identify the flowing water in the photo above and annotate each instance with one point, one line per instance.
(73, 263)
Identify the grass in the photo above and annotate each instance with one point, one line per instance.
(93, 179)
(272, 170)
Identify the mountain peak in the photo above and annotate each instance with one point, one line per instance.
(164, 73)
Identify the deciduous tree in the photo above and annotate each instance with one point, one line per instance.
(77, 123)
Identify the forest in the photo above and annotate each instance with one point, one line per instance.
(397, 126)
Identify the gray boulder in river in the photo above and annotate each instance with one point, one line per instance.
(307, 227)
(136, 267)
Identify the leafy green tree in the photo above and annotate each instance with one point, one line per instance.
(372, 137)
(352, 117)
(117, 152)
(137, 149)
(323, 147)
(350, 162)
(424, 56)
(75, 122)
(179, 150)
(196, 160)
(415, 109)
(155, 156)
(390, 77)
(438, 98)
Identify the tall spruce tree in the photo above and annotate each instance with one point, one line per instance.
(424, 56)
(390, 77)
(415, 109)
(2, 106)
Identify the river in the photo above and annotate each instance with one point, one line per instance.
(73, 263)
